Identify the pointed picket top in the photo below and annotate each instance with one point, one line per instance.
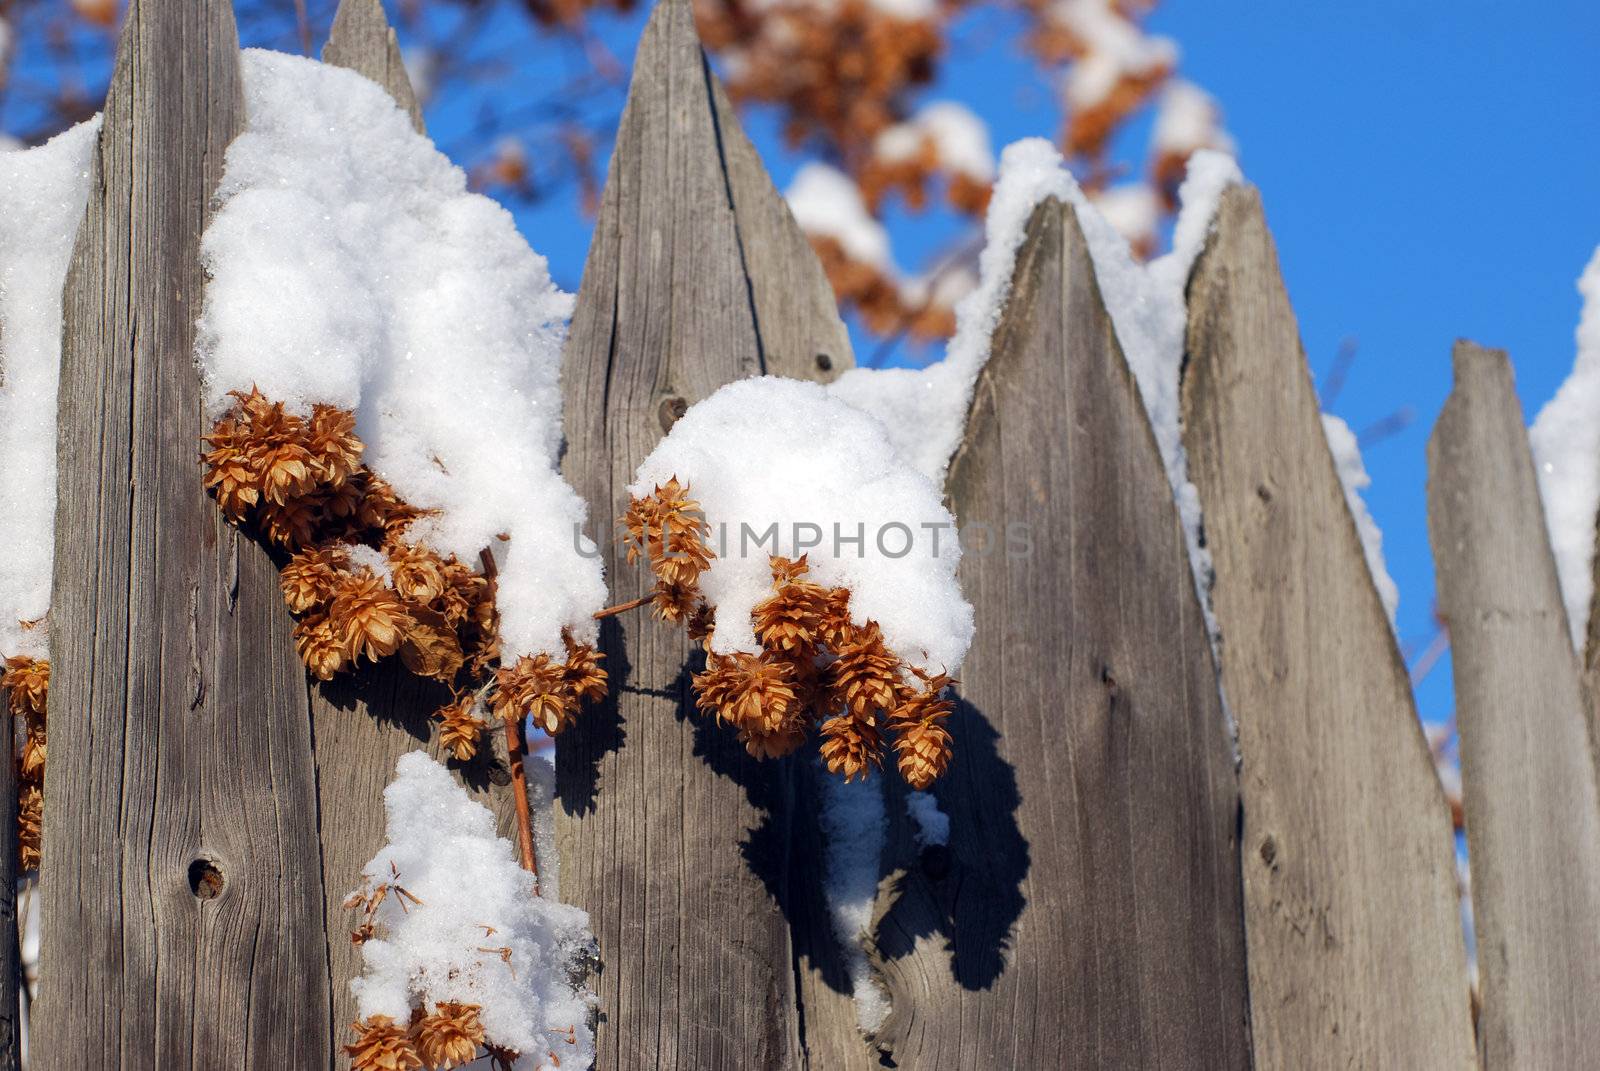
(676, 842)
(1092, 757)
(1533, 815)
(363, 41)
(182, 912)
(1355, 944)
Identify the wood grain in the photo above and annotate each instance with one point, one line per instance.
(1533, 815)
(1355, 945)
(678, 844)
(362, 40)
(183, 907)
(361, 724)
(1090, 915)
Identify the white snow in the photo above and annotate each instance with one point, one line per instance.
(468, 894)
(42, 196)
(926, 409)
(1115, 48)
(350, 266)
(932, 824)
(541, 770)
(372, 560)
(961, 138)
(853, 824)
(784, 455)
(826, 202)
(1353, 477)
(1132, 208)
(1188, 119)
(1566, 451)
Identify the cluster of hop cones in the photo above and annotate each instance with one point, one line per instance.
(26, 685)
(362, 589)
(449, 1036)
(816, 668)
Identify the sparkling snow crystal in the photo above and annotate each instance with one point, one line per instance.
(469, 928)
(781, 456)
(1566, 453)
(42, 197)
(350, 266)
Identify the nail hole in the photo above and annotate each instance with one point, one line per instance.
(205, 880)
(1269, 850)
(824, 362)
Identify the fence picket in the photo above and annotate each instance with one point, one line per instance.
(677, 842)
(1355, 945)
(362, 40)
(1533, 817)
(1092, 800)
(180, 831)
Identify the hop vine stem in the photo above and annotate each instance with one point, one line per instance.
(623, 607)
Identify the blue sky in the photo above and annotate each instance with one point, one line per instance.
(1430, 170)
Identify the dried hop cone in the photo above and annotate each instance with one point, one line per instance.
(851, 745)
(382, 1045)
(368, 619)
(460, 729)
(751, 693)
(534, 686)
(584, 675)
(30, 814)
(319, 648)
(866, 676)
(335, 450)
(450, 1036)
(27, 685)
(922, 743)
(312, 576)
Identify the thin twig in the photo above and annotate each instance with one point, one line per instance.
(623, 607)
(517, 747)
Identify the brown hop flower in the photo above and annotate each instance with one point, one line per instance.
(33, 755)
(790, 620)
(674, 602)
(430, 647)
(836, 626)
(460, 729)
(287, 473)
(774, 745)
(851, 745)
(30, 812)
(450, 1036)
(368, 618)
(27, 685)
(866, 676)
(419, 573)
(585, 677)
(311, 576)
(382, 1045)
(292, 524)
(921, 741)
(749, 692)
(466, 594)
(318, 647)
(381, 508)
(231, 472)
(534, 686)
(668, 527)
(335, 451)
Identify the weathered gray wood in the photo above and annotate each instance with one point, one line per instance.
(677, 843)
(1355, 945)
(1591, 660)
(1533, 815)
(362, 40)
(802, 336)
(183, 907)
(1091, 913)
(361, 726)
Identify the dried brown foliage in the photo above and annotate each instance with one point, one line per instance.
(25, 683)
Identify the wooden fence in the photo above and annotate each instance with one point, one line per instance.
(1118, 891)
